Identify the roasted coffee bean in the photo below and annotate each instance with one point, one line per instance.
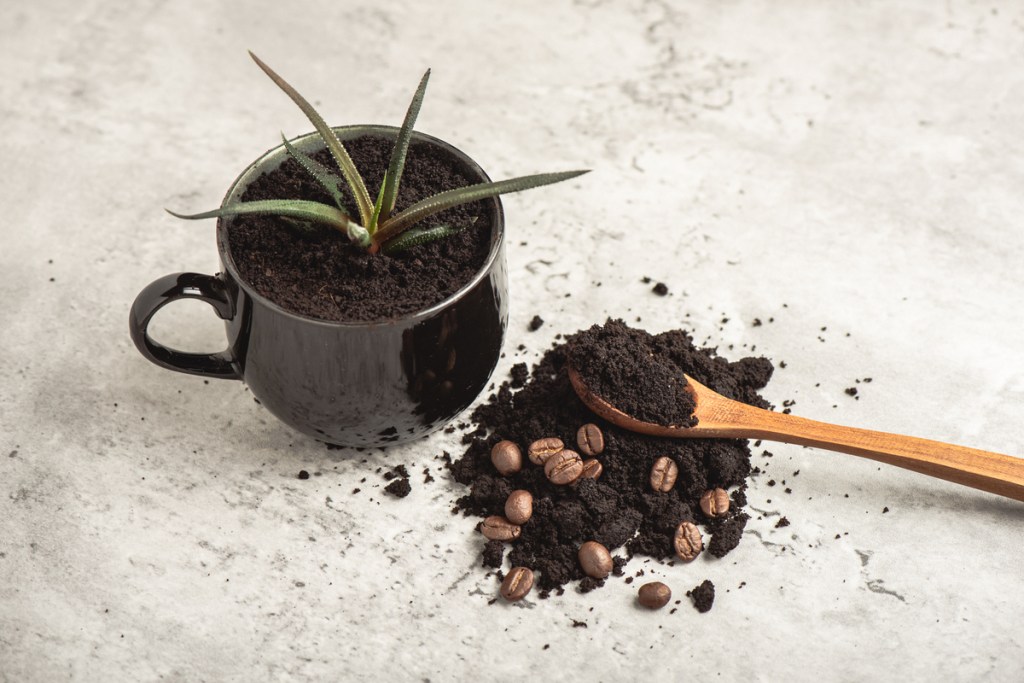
(654, 595)
(519, 507)
(517, 584)
(664, 474)
(563, 468)
(507, 457)
(592, 469)
(595, 560)
(590, 440)
(688, 541)
(542, 449)
(497, 528)
(715, 503)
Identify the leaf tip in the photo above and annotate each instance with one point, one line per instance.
(263, 65)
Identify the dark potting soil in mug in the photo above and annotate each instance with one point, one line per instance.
(619, 509)
(315, 271)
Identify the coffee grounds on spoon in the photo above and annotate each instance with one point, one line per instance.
(618, 510)
(607, 358)
(642, 374)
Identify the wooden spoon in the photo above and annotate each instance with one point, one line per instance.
(719, 417)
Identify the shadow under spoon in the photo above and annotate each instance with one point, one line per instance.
(719, 417)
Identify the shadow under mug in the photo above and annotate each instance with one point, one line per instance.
(347, 383)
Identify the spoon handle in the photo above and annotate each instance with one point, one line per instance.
(992, 472)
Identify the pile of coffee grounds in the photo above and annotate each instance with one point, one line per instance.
(703, 596)
(400, 488)
(642, 374)
(399, 478)
(618, 510)
(494, 553)
(315, 271)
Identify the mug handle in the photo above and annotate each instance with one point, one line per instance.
(170, 288)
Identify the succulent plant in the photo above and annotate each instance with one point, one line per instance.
(378, 227)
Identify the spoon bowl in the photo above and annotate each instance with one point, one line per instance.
(719, 417)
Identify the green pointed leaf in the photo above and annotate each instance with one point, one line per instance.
(338, 151)
(327, 178)
(298, 223)
(397, 164)
(372, 227)
(290, 208)
(463, 195)
(417, 236)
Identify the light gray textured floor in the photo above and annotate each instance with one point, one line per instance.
(829, 165)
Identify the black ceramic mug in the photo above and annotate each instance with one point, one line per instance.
(348, 383)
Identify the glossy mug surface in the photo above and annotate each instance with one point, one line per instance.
(353, 384)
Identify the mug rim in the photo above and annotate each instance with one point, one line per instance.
(497, 230)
